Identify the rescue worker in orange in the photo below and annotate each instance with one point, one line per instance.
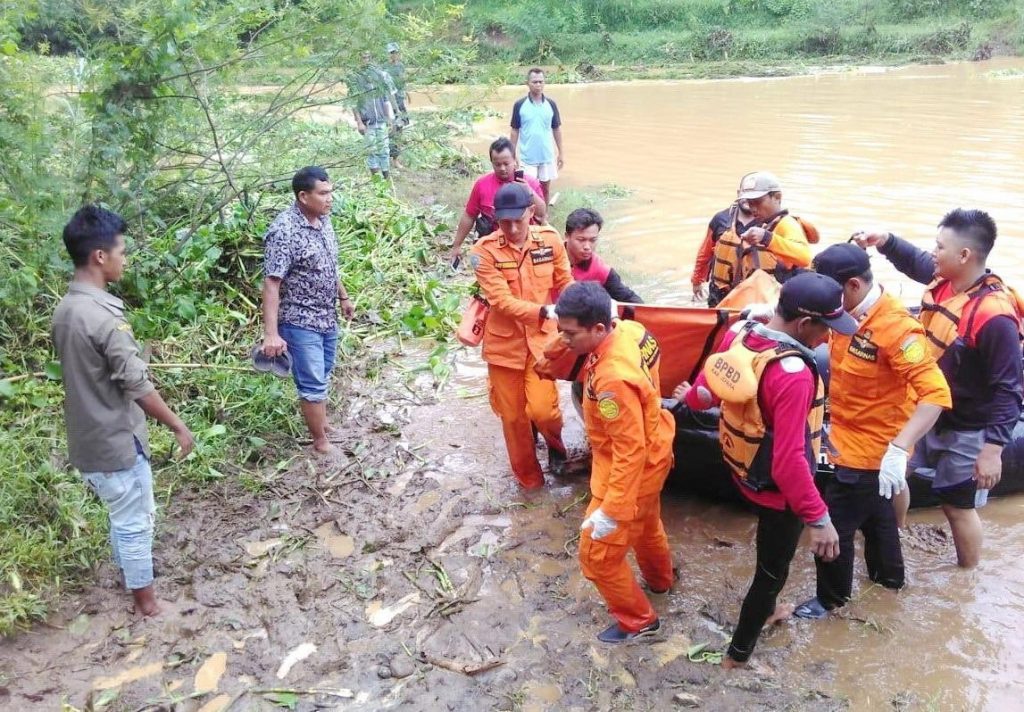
(631, 440)
(766, 380)
(777, 241)
(517, 267)
(972, 321)
(885, 392)
(735, 220)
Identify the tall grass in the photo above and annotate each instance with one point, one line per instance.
(196, 305)
(608, 31)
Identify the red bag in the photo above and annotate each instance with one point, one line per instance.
(474, 319)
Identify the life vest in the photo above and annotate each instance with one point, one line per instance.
(597, 270)
(734, 260)
(726, 256)
(945, 323)
(734, 375)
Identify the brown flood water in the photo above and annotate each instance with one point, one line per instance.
(859, 148)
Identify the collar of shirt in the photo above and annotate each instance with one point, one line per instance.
(873, 295)
(782, 338)
(100, 295)
(299, 218)
(606, 344)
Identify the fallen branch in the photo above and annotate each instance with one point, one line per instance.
(460, 666)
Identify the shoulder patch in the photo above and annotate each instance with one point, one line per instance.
(124, 326)
(474, 260)
(608, 408)
(913, 349)
(792, 364)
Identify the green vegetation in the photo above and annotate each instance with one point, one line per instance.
(589, 34)
(151, 108)
(151, 121)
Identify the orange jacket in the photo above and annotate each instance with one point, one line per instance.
(517, 282)
(878, 376)
(630, 433)
(702, 265)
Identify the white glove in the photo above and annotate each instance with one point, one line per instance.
(549, 312)
(758, 312)
(892, 476)
(602, 524)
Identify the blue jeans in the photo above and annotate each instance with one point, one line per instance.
(128, 495)
(312, 359)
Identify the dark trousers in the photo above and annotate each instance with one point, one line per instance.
(778, 534)
(854, 503)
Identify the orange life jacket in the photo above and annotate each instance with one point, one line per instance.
(734, 261)
(963, 315)
(746, 440)
(726, 257)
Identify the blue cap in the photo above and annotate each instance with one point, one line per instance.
(511, 201)
(820, 297)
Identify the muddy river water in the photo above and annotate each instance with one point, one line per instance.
(858, 148)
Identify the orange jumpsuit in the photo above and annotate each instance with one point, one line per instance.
(517, 282)
(631, 439)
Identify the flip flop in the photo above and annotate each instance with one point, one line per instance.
(280, 366)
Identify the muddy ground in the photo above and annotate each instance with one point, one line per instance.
(407, 572)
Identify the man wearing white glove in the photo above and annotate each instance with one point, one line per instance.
(892, 475)
(885, 392)
(599, 524)
(631, 441)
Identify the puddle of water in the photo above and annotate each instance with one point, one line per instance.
(337, 544)
(208, 676)
(128, 676)
(426, 501)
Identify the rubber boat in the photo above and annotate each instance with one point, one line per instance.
(687, 335)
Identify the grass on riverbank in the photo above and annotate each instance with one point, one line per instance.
(670, 32)
(197, 306)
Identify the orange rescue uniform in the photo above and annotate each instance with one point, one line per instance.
(878, 375)
(517, 282)
(631, 440)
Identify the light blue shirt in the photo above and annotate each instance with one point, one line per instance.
(536, 123)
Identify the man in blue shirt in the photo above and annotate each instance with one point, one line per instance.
(537, 132)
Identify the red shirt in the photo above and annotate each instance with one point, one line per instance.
(785, 400)
(481, 198)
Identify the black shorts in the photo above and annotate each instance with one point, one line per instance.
(947, 458)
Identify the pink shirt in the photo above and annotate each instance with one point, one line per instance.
(784, 399)
(481, 198)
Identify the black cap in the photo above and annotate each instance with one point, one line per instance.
(815, 295)
(842, 262)
(511, 201)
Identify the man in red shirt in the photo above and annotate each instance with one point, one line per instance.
(766, 381)
(479, 212)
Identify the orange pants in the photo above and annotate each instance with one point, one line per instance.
(519, 398)
(604, 563)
